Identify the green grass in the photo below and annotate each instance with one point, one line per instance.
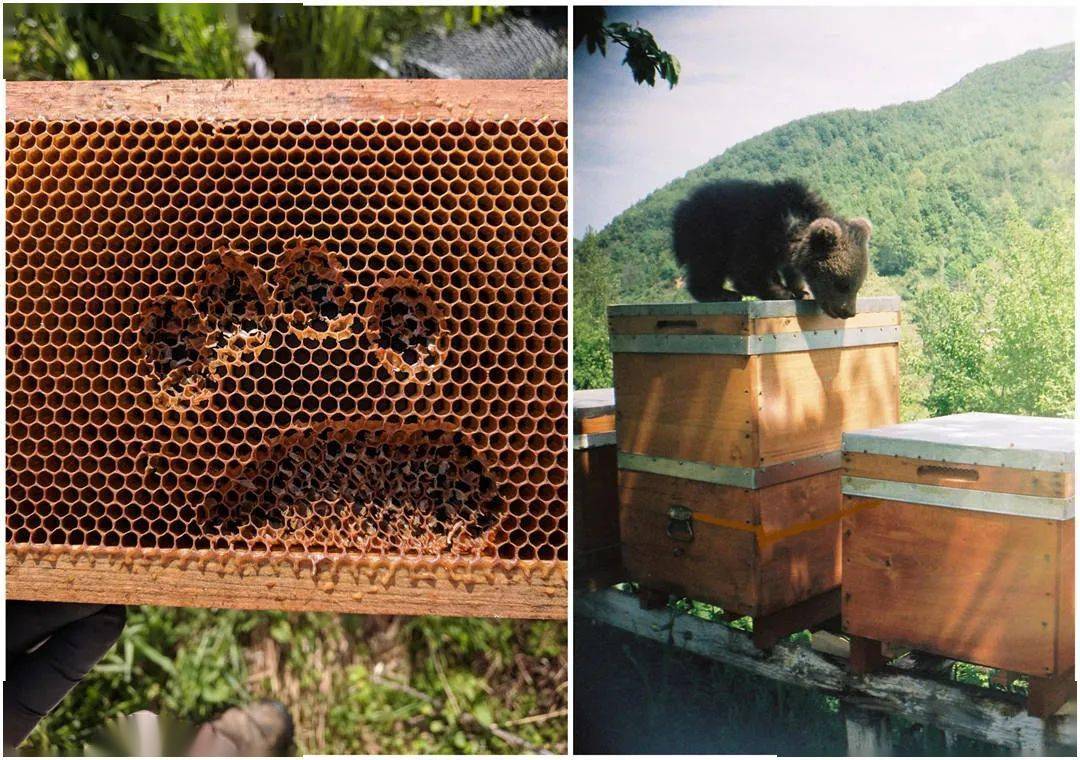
(353, 684)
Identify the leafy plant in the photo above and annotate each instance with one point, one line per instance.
(643, 55)
(198, 42)
(435, 685)
(348, 41)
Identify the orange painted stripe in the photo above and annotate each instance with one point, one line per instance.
(765, 537)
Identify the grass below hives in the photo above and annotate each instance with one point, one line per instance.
(354, 684)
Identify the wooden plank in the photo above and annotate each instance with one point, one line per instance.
(769, 325)
(1065, 641)
(596, 505)
(867, 733)
(718, 566)
(983, 714)
(1057, 485)
(695, 408)
(706, 324)
(1047, 695)
(968, 585)
(865, 655)
(289, 99)
(588, 425)
(95, 575)
(799, 553)
(807, 399)
(830, 643)
(800, 616)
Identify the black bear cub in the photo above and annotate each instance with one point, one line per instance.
(770, 241)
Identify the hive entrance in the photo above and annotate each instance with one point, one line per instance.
(347, 488)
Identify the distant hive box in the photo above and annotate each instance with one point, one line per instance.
(289, 344)
(729, 417)
(959, 539)
(596, 502)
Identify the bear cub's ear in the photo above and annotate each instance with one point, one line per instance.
(860, 230)
(823, 234)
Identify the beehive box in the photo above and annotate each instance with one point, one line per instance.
(959, 539)
(728, 423)
(596, 501)
(295, 345)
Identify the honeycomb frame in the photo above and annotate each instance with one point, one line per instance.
(288, 345)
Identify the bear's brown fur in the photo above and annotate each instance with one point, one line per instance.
(770, 241)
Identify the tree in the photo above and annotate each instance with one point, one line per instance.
(1004, 339)
(594, 289)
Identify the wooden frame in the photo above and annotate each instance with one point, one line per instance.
(289, 99)
(530, 590)
(487, 588)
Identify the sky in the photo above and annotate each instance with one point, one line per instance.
(747, 70)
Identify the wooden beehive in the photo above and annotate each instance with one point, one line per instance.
(596, 502)
(959, 540)
(728, 424)
(289, 344)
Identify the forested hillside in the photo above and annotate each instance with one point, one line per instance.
(952, 184)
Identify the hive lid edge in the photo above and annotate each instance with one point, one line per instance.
(750, 309)
(974, 438)
(594, 402)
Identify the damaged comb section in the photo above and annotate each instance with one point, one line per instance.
(354, 487)
(409, 329)
(310, 339)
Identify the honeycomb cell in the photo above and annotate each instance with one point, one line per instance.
(340, 338)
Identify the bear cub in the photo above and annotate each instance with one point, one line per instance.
(770, 241)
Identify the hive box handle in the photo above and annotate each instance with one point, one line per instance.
(672, 324)
(948, 473)
(680, 524)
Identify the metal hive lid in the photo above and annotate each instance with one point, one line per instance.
(593, 403)
(996, 440)
(751, 309)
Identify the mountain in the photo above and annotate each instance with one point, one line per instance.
(936, 177)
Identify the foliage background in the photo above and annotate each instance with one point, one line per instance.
(214, 41)
(971, 194)
(353, 684)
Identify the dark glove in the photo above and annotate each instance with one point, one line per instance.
(50, 647)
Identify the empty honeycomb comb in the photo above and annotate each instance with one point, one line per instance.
(295, 345)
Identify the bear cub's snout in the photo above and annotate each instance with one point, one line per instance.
(772, 241)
